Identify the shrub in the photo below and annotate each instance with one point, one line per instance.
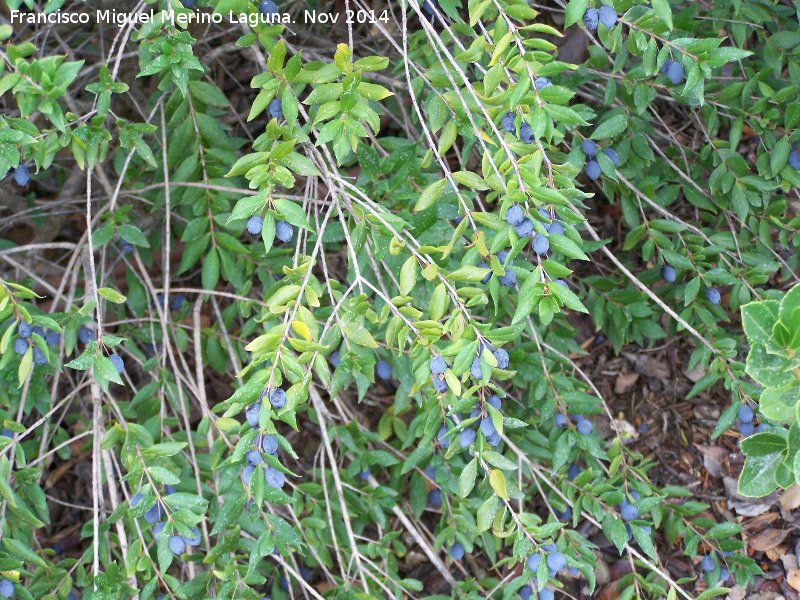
(352, 287)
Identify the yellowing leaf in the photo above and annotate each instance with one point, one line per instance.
(302, 330)
(498, 483)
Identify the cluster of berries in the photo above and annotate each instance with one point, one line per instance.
(592, 167)
(266, 443)
(177, 543)
(668, 274)
(24, 341)
(283, 231)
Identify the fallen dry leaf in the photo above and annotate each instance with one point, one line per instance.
(793, 578)
(767, 539)
(625, 381)
(790, 498)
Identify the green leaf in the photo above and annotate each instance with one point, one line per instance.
(133, 235)
(664, 12)
(292, 213)
(575, 11)
(611, 127)
(111, 295)
(758, 475)
(466, 480)
(210, 273)
(430, 195)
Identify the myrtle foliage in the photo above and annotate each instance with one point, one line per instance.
(356, 364)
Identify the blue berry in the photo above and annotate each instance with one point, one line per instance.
(153, 515)
(524, 229)
(435, 497)
(5, 431)
(612, 156)
(284, 583)
(724, 574)
(713, 296)
(591, 18)
(195, 539)
(629, 512)
(555, 228)
(430, 472)
(251, 414)
(475, 368)
(188, 3)
(585, 427)
(176, 302)
(556, 562)
(277, 398)
(745, 414)
(21, 175)
(794, 160)
(608, 16)
(515, 215)
(126, 247)
(335, 358)
(668, 273)
(573, 472)
(502, 358)
(253, 457)
(503, 259)
(275, 109)
(507, 123)
(665, 66)
(574, 571)
(546, 594)
(494, 401)
(746, 429)
(589, 147)
(274, 477)
(525, 592)
(457, 551)
(493, 439)
(762, 428)
(24, 330)
(467, 437)
(561, 282)
(270, 445)
(39, 357)
(177, 545)
(284, 231)
(439, 384)
(52, 338)
(476, 412)
(267, 8)
(708, 563)
(444, 441)
(593, 170)
(364, 475)
(635, 495)
(158, 529)
(549, 547)
(169, 490)
(642, 428)
(525, 133)
(540, 244)
(487, 427)
(20, 346)
(38, 331)
(247, 473)
(566, 514)
(117, 361)
(135, 499)
(533, 561)
(437, 365)
(675, 73)
(488, 276)
(646, 529)
(254, 225)
(384, 370)
(542, 83)
(86, 335)
(560, 421)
